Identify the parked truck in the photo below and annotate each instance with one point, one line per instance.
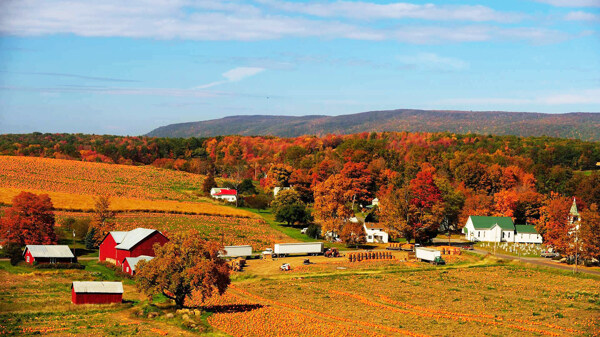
(235, 251)
(433, 256)
(285, 249)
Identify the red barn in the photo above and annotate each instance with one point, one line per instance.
(116, 246)
(130, 263)
(48, 254)
(88, 292)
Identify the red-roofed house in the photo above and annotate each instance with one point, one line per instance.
(116, 246)
(227, 194)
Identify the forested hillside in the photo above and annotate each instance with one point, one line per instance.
(585, 126)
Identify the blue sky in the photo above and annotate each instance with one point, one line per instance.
(126, 67)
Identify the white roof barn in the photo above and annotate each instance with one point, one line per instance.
(98, 287)
(49, 251)
(133, 261)
(131, 238)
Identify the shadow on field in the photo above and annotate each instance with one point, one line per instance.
(233, 308)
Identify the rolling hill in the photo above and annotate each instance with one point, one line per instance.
(576, 125)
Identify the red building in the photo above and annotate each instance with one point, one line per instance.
(88, 292)
(116, 246)
(130, 263)
(48, 254)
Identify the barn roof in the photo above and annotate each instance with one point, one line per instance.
(225, 191)
(133, 237)
(487, 222)
(98, 287)
(50, 251)
(118, 236)
(133, 261)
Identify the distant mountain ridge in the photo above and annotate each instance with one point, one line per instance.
(576, 125)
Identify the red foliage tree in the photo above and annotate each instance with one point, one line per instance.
(30, 220)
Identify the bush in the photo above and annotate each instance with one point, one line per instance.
(58, 266)
(258, 201)
(14, 252)
(314, 231)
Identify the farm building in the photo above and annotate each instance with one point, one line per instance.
(276, 190)
(130, 263)
(89, 292)
(48, 254)
(226, 194)
(375, 233)
(116, 246)
(499, 229)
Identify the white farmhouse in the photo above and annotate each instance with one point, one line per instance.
(226, 194)
(375, 233)
(276, 190)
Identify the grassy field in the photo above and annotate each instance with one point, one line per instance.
(472, 295)
(74, 185)
(231, 230)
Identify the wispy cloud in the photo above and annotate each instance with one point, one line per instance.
(234, 75)
(65, 75)
(230, 20)
(399, 10)
(433, 61)
(582, 16)
(571, 3)
(168, 92)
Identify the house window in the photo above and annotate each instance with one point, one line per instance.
(478, 234)
(127, 269)
(509, 235)
(503, 234)
(28, 259)
(370, 237)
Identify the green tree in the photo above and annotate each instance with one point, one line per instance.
(292, 214)
(208, 183)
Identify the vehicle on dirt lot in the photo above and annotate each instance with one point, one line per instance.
(430, 255)
(332, 252)
(549, 254)
(300, 248)
(285, 267)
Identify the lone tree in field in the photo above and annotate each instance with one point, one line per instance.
(103, 220)
(30, 220)
(185, 265)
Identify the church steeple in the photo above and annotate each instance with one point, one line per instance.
(573, 213)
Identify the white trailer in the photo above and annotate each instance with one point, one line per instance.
(235, 251)
(429, 255)
(310, 248)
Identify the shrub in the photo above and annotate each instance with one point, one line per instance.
(58, 266)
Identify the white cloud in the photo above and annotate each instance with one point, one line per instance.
(227, 20)
(433, 61)
(234, 75)
(582, 16)
(572, 3)
(238, 74)
(398, 10)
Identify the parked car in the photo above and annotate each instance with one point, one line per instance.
(548, 254)
(304, 230)
(285, 267)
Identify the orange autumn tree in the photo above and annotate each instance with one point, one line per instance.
(590, 233)
(333, 203)
(184, 266)
(554, 223)
(353, 234)
(29, 221)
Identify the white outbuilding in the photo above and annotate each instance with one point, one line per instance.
(375, 233)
